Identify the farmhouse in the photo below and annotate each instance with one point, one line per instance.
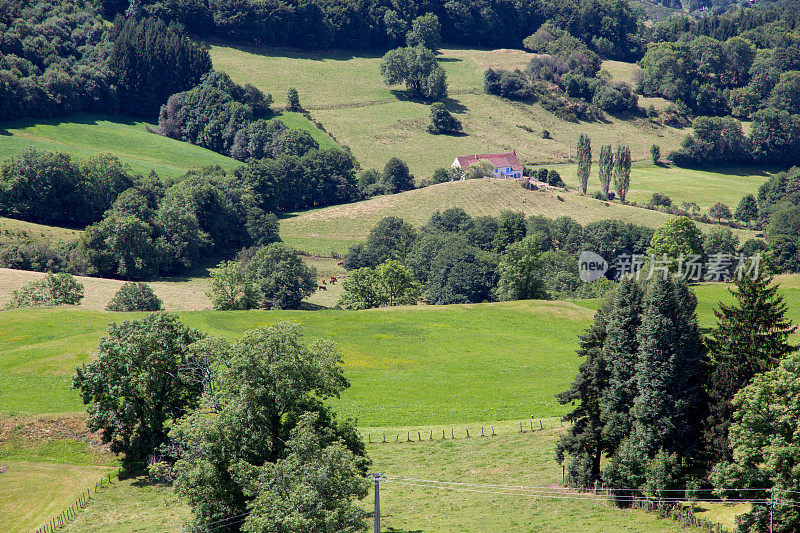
(506, 165)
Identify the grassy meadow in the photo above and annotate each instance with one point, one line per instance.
(413, 365)
(128, 139)
(346, 93)
(413, 369)
(334, 229)
(703, 187)
(513, 459)
(19, 231)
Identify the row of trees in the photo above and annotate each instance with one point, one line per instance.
(663, 409)
(609, 27)
(616, 164)
(774, 140)
(239, 429)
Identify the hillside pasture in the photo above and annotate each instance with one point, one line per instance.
(335, 228)
(128, 139)
(703, 187)
(412, 365)
(345, 92)
(178, 294)
(13, 231)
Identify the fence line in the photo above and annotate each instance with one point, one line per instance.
(428, 434)
(63, 518)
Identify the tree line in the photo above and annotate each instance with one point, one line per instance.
(138, 227)
(664, 412)
(60, 58)
(610, 26)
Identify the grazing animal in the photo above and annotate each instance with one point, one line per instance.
(340, 263)
(333, 279)
(324, 282)
(322, 288)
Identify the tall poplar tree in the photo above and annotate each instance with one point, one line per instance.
(622, 171)
(751, 337)
(584, 161)
(606, 168)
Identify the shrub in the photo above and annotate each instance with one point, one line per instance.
(442, 121)
(51, 290)
(554, 178)
(293, 100)
(135, 297)
(660, 200)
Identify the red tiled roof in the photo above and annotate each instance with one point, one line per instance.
(507, 159)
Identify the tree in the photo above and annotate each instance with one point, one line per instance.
(751, 337)
(720, 211)
(720, 240)
(418, 68)
(765, 443)
(361, 290)
(442, 121)
(620, 352)
(584, 161)
(396, 284)
(583, 440)
(135, 297)
(425, 31)
(280, 276)
(622, 171)
(460, 273)
(153, 60)
(294, 142)
(478, 170)
(391, 283)
(747, 210)
(265, 389)
(786, 94)
(59, 289)
(660, 200)
(669, 370)
(510, 229)
(520, 272)
(136, 386)
(605, 168)
(231, 288)
(655, 153)
(397, 177)
(677, 238)
(391, 238)
(293, 100)
(313, 489)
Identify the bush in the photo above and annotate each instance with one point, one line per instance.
(660, 200)
(442, 121)
(293, 100)
(135, 297)
(51, 290)
(554, 178)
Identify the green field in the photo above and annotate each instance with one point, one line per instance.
(85, 135)
(346, 94)
(414, 371)
(510, 459)
(128, 139)
(334, 229)
(416, 365)
(19, 231)
(703, 187)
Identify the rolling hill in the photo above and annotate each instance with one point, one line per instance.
(346, 93)
(334, 229)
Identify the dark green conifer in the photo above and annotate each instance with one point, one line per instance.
(751, 337)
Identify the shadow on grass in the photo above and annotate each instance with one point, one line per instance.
(257, 48)
(90, 119)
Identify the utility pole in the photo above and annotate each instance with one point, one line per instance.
(771, 506)
(377, 478)
(569, 153)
